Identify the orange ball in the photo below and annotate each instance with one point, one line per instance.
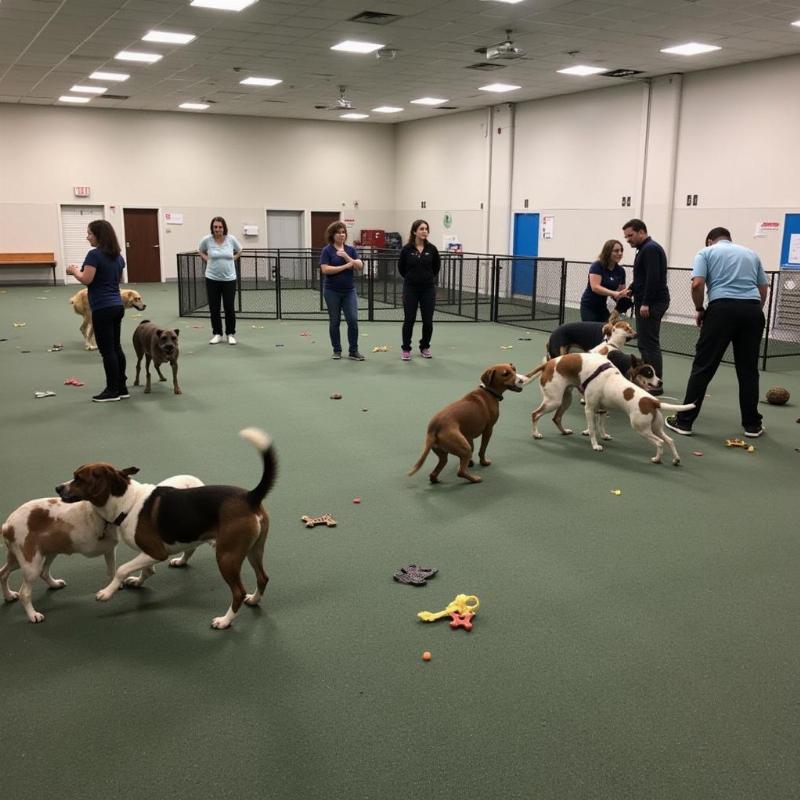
(426, 656)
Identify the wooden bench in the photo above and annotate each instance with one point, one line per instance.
(25, 260)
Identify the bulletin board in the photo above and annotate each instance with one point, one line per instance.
(790, 249)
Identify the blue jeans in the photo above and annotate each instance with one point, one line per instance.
(336, 303)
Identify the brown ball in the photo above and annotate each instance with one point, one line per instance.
(778, 396)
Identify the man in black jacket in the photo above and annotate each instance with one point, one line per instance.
(650, 292)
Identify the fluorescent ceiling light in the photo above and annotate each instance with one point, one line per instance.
(387, 109)
(89, 89)
(67, 98)
(168, 38)
(511, 2)
(797, 23)
(261, 81)
(223, 5)
(499, 87)
(582, 70)
(109, 76)
(353, 115)
(194, 106)
(429, 101)
(131, 55)
(691, 49)
(350, 46)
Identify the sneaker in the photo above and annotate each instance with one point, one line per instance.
(753, 431)
(337, 355)
(124, 394)
(106, 396)
(356, 356)
(673, 424)
(231, 339)
(215, 339)
(426, 352)
(406, 355)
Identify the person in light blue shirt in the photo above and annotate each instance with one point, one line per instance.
(737, 290)
(220, 251)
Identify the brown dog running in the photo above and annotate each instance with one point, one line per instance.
(158, 345)
(453, 429)
(80, 305)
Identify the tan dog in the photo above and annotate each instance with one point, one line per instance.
(159, 521)
(80, 304)
(455, 427)
(158, 345)
(42, 529)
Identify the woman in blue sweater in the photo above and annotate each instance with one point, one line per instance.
(606, 279)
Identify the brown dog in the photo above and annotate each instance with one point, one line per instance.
(80, 304)
(455, 427)
(158, 345)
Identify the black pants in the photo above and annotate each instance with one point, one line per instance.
(736, 322)
(423, 297)
(648, 336)
(592, 314)
(225, 291)
(107, 324)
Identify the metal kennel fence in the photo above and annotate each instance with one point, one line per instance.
(472, 287)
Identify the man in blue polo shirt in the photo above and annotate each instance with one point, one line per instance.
(737, 291)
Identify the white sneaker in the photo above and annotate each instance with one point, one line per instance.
(231, 339)
(215, 339)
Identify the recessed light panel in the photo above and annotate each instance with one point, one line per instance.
(429, 101)
(89, 89)
(109, 76)
(194, 106)
(223, 5)
(582, 70)
(169, 38)
(499, 87)
(261, 81)
(350, 46)
(353, 115)
(68, 98)
(690, 49)
(387, 110)
(132, 55)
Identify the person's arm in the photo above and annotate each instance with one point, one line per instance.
(402, 263)
(650, 266)
(84, 275)
(326, 268)
(202, 250)
(594, 283)
(356, 264)
(763, 283)
(437, 262)
(237, 248)
(698, 298)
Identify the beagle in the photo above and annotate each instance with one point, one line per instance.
(603, 386)
(80, 305)
(160, 521)
(453, 429)
(42, 529)
(589, 336)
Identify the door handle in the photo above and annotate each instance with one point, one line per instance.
(155, 245)
(127, 244)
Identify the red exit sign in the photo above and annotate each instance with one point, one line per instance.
(81, 191)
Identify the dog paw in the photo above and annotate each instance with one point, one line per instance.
(656, 459)
(607, 438)
(178, 391)
(220, 623)
(134, 580)
(676, 462)
(485, 462)
(36, 617)
(177, 562)
(597, 447)
(585, 433)
(161, 379)
(58, 583)
(11, 597)
(566, 431)
(537, 435)
(104, 595)
(252, 599)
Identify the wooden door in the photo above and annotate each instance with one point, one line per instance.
(319, 222)
(142, 249)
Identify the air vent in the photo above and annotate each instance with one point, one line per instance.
(622, 72)
(486, 66)
(113, 97)
(374, 18)
(447, 108)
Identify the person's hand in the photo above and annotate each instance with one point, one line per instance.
(71, 269)
(644, 312)
(698, 317)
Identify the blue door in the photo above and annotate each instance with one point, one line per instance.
(790, 258)
(526, 243)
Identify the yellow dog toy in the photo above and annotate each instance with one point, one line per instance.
(462, 604)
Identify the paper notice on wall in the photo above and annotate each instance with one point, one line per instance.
(548, 226)
(171, 218)
(794, 248)
(452, 244)
(765, 227)
(349, 221)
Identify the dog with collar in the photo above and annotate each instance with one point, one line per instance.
(453, 429)
(80, 305)
(602, 386)
(160, 521)
(40, 530)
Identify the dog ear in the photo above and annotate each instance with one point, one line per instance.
(635, 362)
(130, 471)
(159, 332)
(608, 329)
(488, 377)
(177, 331)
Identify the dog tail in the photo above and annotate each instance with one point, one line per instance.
(428, 445)
(672, 407)
(534, 372)
(263, 443)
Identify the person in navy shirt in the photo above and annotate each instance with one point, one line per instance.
(337, 262)
(606, 279)
(101, 273)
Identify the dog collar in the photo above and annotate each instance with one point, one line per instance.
(120, 518)
(601, 368)
(492, 391)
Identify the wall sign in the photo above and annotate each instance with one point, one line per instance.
(81, 191)
(447, 219)
(171, 218)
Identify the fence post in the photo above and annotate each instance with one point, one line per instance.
(278, 304)
(562, 300)
(769, 320)
(370, 290)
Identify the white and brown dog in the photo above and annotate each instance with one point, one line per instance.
(602, 386)
(160, 521)
(80, 304)
(42, 529)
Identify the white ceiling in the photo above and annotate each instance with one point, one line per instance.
(48, 45)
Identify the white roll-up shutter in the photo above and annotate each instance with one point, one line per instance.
(74, 220)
